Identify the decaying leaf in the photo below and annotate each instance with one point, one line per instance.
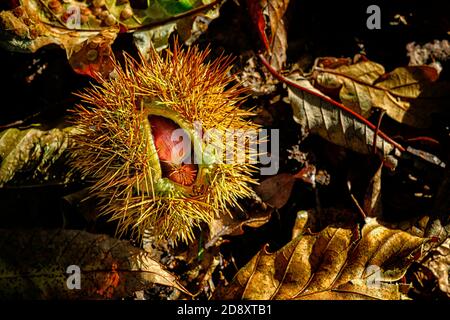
(233, 226)
(28, 30)
(275, 38)
(278, 40)
(39, 265)
(438, 262)
(86, 29)
(408, 94)
(25, 32)
(428, 52)
(189, 29)
(318, 116)
(31, 152)
(329, 265)
(269, 189)
(256, 14)
(372, 198)
(93, 56)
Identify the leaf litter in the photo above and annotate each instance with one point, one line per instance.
(329, 252)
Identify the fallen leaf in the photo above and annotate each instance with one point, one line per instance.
(328, 265)
(321, 115)
(27, 33)
(269, 189)
(438, 262)
(408, 94)
(233, 226)
(30, 28)
(332, 62)
(35, 263)
(31, 152)
(428, 52)
(86, 32)
(372, 199)
(189, 29)
(93, 56)
(278, 40)
(300, 223)
(256, 14)
(307, 174)
(268, 14)
(316, 115)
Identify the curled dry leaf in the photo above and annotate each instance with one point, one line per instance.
(35, 263)
(189, 28)
(372, 198)
(408, 94)
(233, 226)
(278, 40)
(269, 189)
(329, 265)
(271, 11)
(31, 152)
(93, 56)
(438, 262)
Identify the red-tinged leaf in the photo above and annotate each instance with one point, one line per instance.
(332, 62)
(307, 174)
(93, 57)
(267, 15)
(256, 14)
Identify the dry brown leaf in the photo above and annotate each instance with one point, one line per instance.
(32, 34)
(87, 35)
(332, 62)
(372, 198)
(85, 49)
(300, 223)
(408, 94)
(93, 56)
(278, 40)
(320, 117)
(35, 263)
(31, 153)
(438, 262)
(270, 189)
(233, 226)
(329, 265)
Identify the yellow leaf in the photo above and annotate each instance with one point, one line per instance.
(329, 265)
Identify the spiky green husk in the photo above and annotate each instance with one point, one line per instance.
(115, 148)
